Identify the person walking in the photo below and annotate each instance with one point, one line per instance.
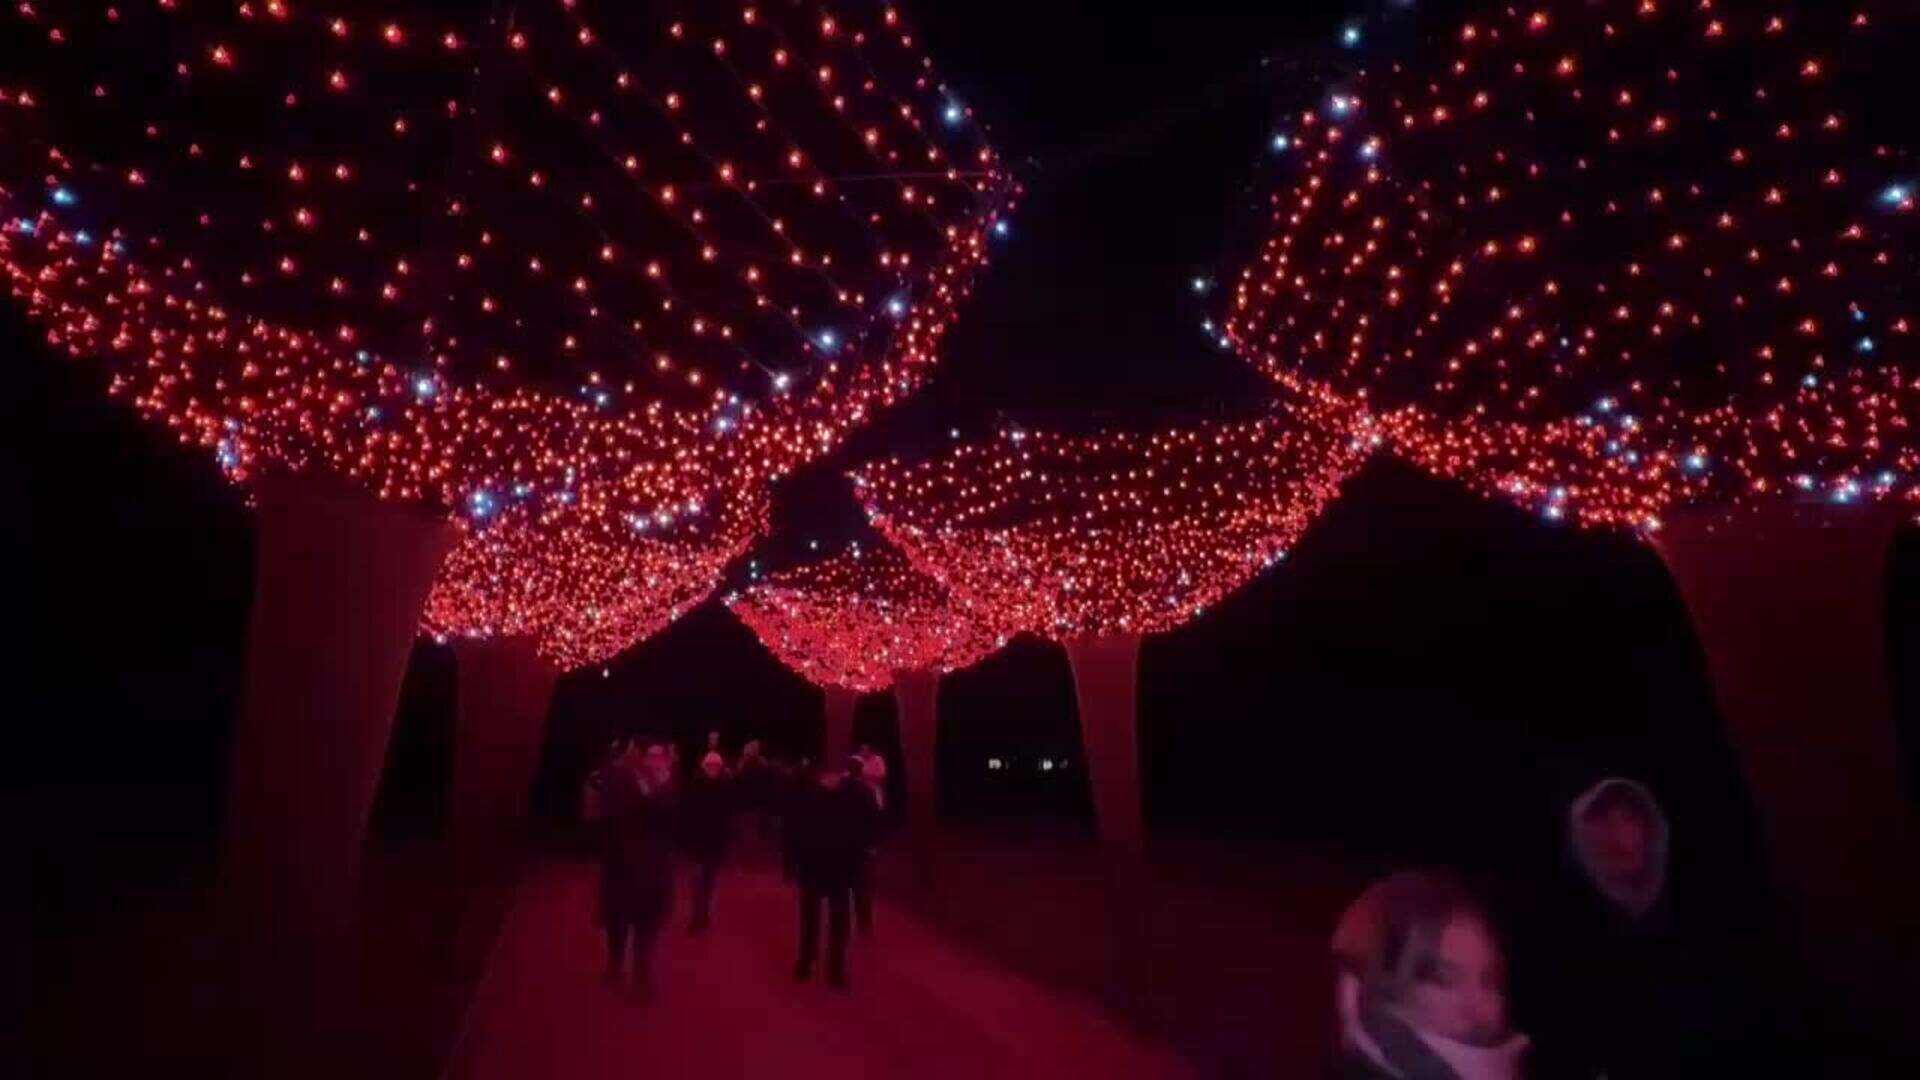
(706, 814)
(828, 828)
(870, 771)
(637, 801)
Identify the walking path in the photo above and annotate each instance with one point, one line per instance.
(727, 1005)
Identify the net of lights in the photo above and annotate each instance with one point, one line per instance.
(853, 620)
(494, 268)
(1607, 260)
(1114, 533)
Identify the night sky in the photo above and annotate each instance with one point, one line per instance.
(1410, 683)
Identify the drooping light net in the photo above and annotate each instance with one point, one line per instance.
(1610, 259)
(579, 275)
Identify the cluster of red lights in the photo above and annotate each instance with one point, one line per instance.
(854, 620)
(1609, 260)
(590, 307)
(1114, 533)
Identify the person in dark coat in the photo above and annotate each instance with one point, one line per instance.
(1628, 990)
(868, 772)
(829, 824)
(793, 784)
(755, 781)
(706, 817)
(637, 802)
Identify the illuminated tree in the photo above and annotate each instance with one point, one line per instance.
(1650, 265)
(527, 272)
(581, 278)
(863, 621)
(1097, 540)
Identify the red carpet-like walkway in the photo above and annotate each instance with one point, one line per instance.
(921, 1008)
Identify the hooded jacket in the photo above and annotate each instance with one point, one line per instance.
(1631, 995)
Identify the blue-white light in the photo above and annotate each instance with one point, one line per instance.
(1001, 228)
(1810, 381)
(954, 113)
(1895, 194)
(83, 238)
(1350, 35)
(480, 503)
(827, 340)
(1200, 285)
(64, 197)
(1207, 325)
(424, 387)
(1696, 462)
(1886, 479)
(781, 381)
(1803, 482)
(1282, 143)
(224, 454)
(602, 398)
(1369, 149)
(363, 356)
(897, 308)
(373, 412)
(1340, 105)
(1553, 512)
(1865, 345)
(723, 424)
(26, 226)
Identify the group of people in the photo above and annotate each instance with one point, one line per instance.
(652, 817)
(1608, 973)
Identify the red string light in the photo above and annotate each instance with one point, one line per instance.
(1607, 260)
(1118, 532)
(587, 306)
(855, 619)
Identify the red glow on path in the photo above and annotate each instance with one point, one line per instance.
(728, 1006)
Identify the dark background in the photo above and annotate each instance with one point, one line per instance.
(1409, 685)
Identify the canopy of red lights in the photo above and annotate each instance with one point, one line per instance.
(585, 280)
(1608, 260)
(1117, 532)
(856, 619)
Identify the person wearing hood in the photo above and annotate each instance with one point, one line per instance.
(1420, 989)
(706, 816)
(1628, 994)
(637, 800)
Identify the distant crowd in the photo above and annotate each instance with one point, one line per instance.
(825, 822)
